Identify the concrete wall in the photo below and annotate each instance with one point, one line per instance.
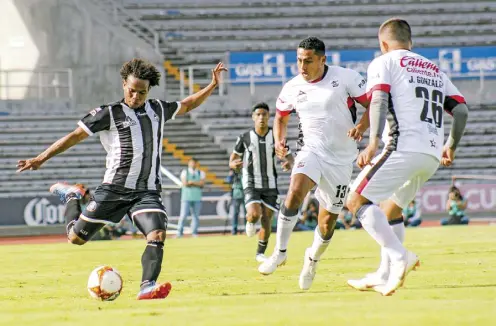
(73, 34)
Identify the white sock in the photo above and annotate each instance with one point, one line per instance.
(374, 221)
(399, 230)
(285, 226)
(319, 245)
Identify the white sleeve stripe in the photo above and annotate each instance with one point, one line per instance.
(240, 154)
(177, 110)
(85, 128)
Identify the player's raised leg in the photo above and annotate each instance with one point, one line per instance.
(300, 185)
(153, 225)
(70, 196)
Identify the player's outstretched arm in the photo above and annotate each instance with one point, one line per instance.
(193, 101)
(460, 117)
(280, 130)
(56, 148)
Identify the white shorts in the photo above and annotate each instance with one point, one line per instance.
(332, 180)
(396, 176)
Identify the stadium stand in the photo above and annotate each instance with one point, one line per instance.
(200, 32)
(203, 30)
(475, 155)
(26, 132)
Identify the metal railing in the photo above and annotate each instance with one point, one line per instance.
(37, 84)
(121, 16)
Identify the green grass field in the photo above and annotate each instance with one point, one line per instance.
(215, 282)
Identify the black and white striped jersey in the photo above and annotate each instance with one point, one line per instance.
(259, 169)
(132, 139)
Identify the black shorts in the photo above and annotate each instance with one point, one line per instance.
(267, 197)
(111, 203)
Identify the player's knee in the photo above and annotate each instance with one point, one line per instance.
(294, 199)
(151, 224)
(355, 201)
(253, 217)
(74, 239)
(156, 235)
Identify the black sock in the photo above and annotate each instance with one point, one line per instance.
(262, 246)
(151, 261)
(72, 211)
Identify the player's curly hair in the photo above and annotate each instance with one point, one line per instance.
(141, 69)
(313, 43)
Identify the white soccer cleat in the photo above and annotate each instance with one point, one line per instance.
(270, 265)
(369, 282)
(398, 274)
(250, 229)
(308, 272)
(260, 258)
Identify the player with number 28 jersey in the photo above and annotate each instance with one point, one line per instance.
(407, 95)
(418, 83)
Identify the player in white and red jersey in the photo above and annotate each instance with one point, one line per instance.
(324, 98)
(410, 92)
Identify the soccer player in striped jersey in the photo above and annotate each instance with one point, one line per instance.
(254, 153)
(131, 131)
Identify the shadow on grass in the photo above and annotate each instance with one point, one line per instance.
(454, 286)
(225, 294)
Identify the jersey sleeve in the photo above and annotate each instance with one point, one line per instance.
(378, 77)
(239, 148)
(452, 96)
(170, 109)
(284, 103)
(96, 120)
(356, 86)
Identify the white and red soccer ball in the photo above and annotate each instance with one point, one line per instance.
(105, 283)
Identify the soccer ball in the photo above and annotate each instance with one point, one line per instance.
(105, 283)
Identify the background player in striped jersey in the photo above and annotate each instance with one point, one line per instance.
(324, 98)
(254, 152)
(131, 131)
(410, 92)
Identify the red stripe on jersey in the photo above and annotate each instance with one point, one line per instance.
(283, 113)
(458, 98)
(362, 98)
(350, 102)
(362, 185)
(379, 87)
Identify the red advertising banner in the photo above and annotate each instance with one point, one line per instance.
(480, 198)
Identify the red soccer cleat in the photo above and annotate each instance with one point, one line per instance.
(155, 291)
